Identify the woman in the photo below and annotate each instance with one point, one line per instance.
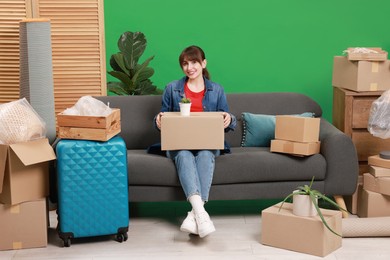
(195, 168)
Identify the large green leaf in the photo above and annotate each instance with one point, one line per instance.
(145, 88)
(132, 45)
(118, 88)
(139, 70)
(145, 73)
(119, 63)
(114, 65)
(121, 76)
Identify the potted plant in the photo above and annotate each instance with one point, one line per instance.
(185, 106)
(134, 78)
(314, 196)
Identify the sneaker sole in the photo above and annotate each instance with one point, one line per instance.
(208, 232)
(188, 230)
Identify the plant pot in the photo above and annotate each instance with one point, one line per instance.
(185, 109)
(303, 206)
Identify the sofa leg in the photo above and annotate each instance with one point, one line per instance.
(340, 201)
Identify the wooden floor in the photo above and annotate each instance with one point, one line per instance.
(154, 234)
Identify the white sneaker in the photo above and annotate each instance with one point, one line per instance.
(205, 225)
(189, 224)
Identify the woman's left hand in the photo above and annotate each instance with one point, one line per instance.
(226, 119)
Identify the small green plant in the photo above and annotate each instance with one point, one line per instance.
(315, 195)
(185, 100)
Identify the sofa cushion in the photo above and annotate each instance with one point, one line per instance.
(259, 129)
(258, 164)
(243, 165)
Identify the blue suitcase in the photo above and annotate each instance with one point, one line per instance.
(92, 189)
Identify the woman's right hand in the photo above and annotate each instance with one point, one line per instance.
(158, 120)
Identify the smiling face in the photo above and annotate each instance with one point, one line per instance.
(193, 69)
(193, 62)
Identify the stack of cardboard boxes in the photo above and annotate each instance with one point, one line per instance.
(296, 135)
(362, 70)
(299, 136)
(374, 193)
(24, 186)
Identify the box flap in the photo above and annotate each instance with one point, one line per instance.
(33, 152)
(3, 158)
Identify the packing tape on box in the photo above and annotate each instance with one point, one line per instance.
(17, 245)
(15, 209)
(366, 227)
(373, 86)
(374, 67)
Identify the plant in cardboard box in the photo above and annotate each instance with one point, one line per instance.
(312, 197)
(134, 77)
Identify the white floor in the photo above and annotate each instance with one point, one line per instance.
(154, 234)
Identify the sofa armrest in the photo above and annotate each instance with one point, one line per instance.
(341, 160)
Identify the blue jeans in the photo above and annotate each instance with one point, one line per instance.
(195, 169)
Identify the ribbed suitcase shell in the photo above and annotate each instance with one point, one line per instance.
(92, 188)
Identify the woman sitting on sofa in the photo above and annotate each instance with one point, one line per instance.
(195, 168)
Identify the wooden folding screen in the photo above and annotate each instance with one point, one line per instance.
(77, 34)
(11, 12)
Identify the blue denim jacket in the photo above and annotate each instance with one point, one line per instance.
(214, 99)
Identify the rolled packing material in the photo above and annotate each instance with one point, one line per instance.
(36, 70)
(366, 227)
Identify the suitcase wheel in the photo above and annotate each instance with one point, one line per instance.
(120, 237)
(67, 242)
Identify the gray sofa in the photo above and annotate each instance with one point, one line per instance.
(247, 172)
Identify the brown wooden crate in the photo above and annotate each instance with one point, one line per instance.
(95, 134)
(100, 122)
(97, 128)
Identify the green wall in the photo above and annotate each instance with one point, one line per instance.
(253, 45)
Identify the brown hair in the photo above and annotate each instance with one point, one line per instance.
(194, 53)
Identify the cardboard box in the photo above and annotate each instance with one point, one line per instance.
(24, 171)
(200, 130)
(97, 128)
(377, 55)
(295, 148)
(379, 171)
(375, 160)
(297, 129)
(361, 75)
(351, 201)
(376, 184)
(23, 225)
(372, 204)
(308, 235)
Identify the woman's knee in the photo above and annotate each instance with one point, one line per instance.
(206, 155)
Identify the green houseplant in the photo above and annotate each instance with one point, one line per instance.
(134, 78)
(314, 195)
(185, 100)
(185, 106)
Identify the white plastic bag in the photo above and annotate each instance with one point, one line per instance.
(88, 106)
(379, 120)
(19, 122)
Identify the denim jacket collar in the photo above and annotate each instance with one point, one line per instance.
(180, 86)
